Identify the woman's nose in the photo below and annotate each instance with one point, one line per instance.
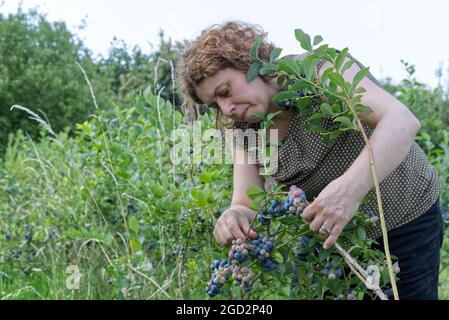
(227, 107)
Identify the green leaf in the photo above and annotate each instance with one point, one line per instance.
(359, 77)
(347, 65)
(317, 40)
(272, 115)
(274, 54)
(329, 138)
(253, 72)
(254, 191)
(285, 95)
(300, 84)
(280, 81)
(360, 108)
(360, 90)
(255, 48)
(304, 39)
(133, 224)
(344, 120)
(315, 117)
(303, 103)
(135, 245)
(340, 59)
(290, 67)
(326, 109)
(336, 108)
(148, 94)
(268, 69)
(206, 177)
(325, 76)
(337, 79)
(361, 233)
(309, 68)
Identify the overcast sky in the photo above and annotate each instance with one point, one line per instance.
(378, 32)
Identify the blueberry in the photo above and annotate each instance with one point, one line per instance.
(283, 103)
(27, 271)
(338, 273)
(8, 236)
(325, 272)
(151, 246)
(389, 292)
(305, 241)
(28, 236)
(131, 208)
(301, 254)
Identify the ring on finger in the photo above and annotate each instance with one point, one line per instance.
(326, 229)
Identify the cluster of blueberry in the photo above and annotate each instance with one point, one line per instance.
(262, 248)
(331, 272)
(258, 249)
(221, 271)
(295, 202)
(243, 276)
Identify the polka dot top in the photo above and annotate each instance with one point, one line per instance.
(305, 160)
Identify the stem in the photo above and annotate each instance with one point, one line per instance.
(360, 272)
(379, 204)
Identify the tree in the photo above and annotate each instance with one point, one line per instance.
(38, 71)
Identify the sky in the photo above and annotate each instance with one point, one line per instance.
(379, 33)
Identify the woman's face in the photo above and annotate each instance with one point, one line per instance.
(237, 99)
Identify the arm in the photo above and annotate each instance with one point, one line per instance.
(395, 130)
(234, 222)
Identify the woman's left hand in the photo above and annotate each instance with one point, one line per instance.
(329, 213)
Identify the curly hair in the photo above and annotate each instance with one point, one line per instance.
(219, 46)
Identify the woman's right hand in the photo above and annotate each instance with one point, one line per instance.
(234, 224)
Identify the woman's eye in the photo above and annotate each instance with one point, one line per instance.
(223, 93)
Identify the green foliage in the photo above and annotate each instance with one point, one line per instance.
(37, 64)
(38, 71)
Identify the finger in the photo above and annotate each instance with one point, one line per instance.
(336, 231)
(234, 231)
(219, 237)
(222, 233)
(245, 227)
(316, 223)
(326, 225)
(309, 212)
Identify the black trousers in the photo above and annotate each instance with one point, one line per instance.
(417, 246)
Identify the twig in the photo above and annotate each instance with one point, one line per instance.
(360, 272)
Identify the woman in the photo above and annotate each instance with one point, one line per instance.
(334, 176)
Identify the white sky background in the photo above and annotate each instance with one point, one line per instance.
(378, 32)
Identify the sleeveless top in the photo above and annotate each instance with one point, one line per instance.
(305, 160)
